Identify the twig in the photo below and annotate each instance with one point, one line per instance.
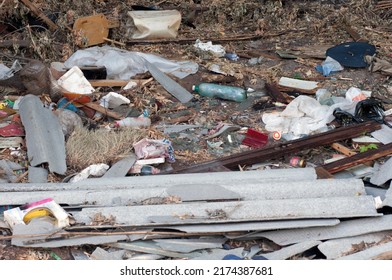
(1, 5)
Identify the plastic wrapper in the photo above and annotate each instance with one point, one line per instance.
(153, 24)
(122, 65)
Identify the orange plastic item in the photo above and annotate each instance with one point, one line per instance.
(80, 98)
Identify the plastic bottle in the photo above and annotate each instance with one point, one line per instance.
(134, 122)
(220, 91)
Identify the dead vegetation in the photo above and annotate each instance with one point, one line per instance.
(85, 147)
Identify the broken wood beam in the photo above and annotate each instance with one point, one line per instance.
(103, 110)
(357, 159)
(282, 149)
(277, 95)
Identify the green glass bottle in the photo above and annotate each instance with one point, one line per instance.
(220, 91)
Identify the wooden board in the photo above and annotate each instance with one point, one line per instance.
(93, 29)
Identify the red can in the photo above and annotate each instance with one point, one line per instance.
(297, 162)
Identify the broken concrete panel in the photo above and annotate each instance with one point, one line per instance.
(241, 177)
(11, 142)
(383, 174)
(387, 201)
(196, 192)
(101, 254)
(142, 257)
(44, 136)
(190, 245)
(121, 168)
(384, 135)
(376, 192)
(8, 167)
(369, 253)
(151, 248)
(290, 251)
(48, 230)
(256, 226)
(169, 84)
(336, 248)
(37, 175)
(237, 211)
(344, 229)
(218, 254)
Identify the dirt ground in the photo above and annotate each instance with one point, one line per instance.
(274, 25)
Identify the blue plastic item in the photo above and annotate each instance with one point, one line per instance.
(62, 104)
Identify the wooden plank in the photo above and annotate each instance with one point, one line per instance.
(108, 83)
(282, 149)
(275, 93)
(343, 149)
(104, 110)
(357, 159)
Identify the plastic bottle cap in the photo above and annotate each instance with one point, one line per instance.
(276, 135)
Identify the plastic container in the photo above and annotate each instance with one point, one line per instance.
(220, 91)
(134, 122)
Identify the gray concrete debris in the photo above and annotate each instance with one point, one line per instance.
(47, 229)
(387, 201)
(256, 226)
(8, 167)
(167, 129)
(169, 84)
(384, 135)
(291, 251)
(239, 177)
(190, 245)
(11, 142)
(248, 190)
(151, 247)
(37, 175)
(219, 254)
(369, 253)
(44, 136)
(120, 168)
(241, 211)
(79, 255)
(141, 257)
(383, 173)
(340, 247)
(101, 254)
(344, 229)
(375, 192)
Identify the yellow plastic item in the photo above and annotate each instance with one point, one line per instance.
(36, 213)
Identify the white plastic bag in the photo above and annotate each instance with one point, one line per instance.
(123, 65)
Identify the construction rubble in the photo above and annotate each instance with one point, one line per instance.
(257, 130)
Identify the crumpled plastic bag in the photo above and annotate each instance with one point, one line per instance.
(123, 65)
(328, 66)
(93, 170)
(304, 115)
(147, 148)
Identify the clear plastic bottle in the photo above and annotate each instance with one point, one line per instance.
(220, 91)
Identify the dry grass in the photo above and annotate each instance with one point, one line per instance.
(86, 147)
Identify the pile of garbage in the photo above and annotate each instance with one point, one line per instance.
(147, 156)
